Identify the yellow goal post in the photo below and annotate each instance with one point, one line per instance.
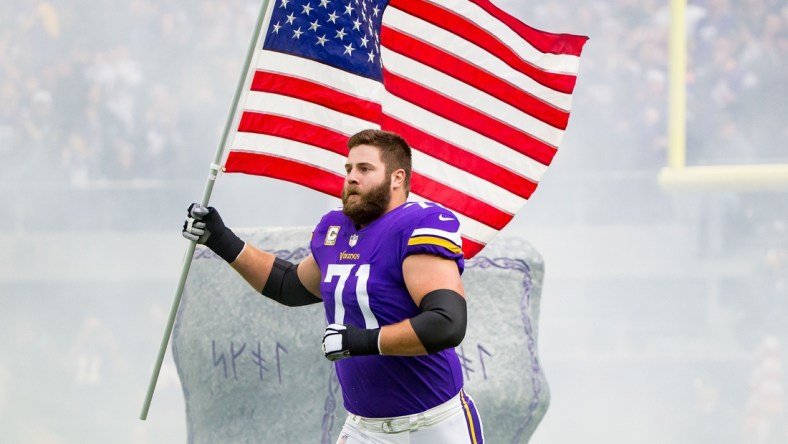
(676, 175)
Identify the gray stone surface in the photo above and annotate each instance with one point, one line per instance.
(253, 371)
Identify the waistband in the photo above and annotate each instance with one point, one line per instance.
(410, 422)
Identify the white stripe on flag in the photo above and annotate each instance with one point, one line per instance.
(557, 63)
(472, 54)
(320, 73)
(306, 111)
(461, 136)
(290, 149)
(466, 182)
(472, 97)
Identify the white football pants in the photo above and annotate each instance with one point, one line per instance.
(454, 422)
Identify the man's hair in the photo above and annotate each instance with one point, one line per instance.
(394, 150)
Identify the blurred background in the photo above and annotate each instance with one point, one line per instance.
(663, 317)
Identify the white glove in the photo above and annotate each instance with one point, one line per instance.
(342, 341)
(335, 342)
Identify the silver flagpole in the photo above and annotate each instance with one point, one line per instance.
(214, 169)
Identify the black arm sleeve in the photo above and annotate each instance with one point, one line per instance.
(442, 321)
(284, 286)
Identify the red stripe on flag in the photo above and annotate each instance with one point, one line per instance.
(469, 31)
(473, 76)
(547, 42)
(292, 129)
(316, 93)
(294, 126)
(458, 157)
(458, 201)
(470, 248)
(470, 118)
(285, 169)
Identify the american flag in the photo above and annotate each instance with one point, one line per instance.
(482, 98)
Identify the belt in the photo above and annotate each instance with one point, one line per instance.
(410, 423)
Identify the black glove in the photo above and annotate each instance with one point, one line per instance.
(341, 341)
(205, 226)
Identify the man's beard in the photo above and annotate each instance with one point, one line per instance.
(368, 206)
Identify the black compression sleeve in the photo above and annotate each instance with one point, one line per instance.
(362, 341)
(284, 286)
(442, 321)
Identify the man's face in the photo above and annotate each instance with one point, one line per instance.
(367, 189)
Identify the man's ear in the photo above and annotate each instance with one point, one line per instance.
(398, 178)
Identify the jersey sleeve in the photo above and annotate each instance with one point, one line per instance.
(437, 233)
(319, 237)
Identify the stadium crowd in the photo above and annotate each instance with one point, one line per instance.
(116, 90)
(139, 90)
(130, 89)
(737, 65)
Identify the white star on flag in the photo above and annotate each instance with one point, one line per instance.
(482, 98)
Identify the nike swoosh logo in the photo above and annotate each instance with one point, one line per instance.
(443, 218)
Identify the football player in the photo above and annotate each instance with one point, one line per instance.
(388, 274)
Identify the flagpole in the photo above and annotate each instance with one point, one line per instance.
(214, 169)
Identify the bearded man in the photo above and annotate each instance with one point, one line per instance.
(388, 274)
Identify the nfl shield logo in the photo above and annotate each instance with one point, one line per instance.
(353, 240)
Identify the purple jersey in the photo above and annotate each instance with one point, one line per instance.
(363, 286)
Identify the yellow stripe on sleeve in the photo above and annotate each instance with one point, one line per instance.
(432, 240)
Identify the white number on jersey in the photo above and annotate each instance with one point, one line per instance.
(343, 272)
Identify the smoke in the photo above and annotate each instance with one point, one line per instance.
(656, 308)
